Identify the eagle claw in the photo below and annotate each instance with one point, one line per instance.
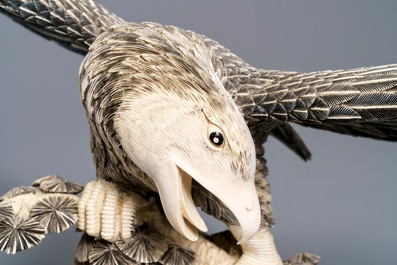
(106, 212)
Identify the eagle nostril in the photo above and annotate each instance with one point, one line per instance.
(250, 208)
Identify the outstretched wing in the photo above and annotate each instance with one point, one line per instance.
(73, 24)
(359, 102)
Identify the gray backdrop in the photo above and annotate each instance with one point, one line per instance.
(340, 205)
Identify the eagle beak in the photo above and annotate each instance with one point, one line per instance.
(238, 195)
(178, 205)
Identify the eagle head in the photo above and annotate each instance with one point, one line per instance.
(155, 89)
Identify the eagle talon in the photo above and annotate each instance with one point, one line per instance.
(106, 212)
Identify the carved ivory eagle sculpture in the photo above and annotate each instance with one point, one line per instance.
(178, 121)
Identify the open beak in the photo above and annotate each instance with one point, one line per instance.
(178, 205)
(175, 194)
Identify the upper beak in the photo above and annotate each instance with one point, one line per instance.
(238, 195)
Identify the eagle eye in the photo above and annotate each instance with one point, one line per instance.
(216, 137)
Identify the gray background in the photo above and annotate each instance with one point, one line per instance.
(341, 205)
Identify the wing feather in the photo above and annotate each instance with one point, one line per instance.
(359, 102)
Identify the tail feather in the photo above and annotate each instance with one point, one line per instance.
(286, 134)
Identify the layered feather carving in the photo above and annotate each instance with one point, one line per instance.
(361, 102)
(74, 24)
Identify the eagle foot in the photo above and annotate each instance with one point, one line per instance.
(106, 212)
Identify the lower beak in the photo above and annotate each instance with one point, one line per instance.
(178, 205)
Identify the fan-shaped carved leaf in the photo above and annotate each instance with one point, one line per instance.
(17, 234)
(56, 212)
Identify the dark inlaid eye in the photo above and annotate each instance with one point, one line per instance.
(216, 138)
